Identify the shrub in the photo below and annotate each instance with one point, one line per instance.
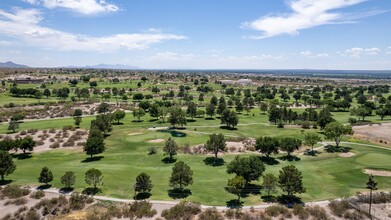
(338, 208)
(17, 202)
(32, 214)
(55, 145)
(152, 151)
(210, 213)
(14, 191)
(182, 210)
(300, 212)
(23, 132)
(276, 210)
(78, 201)
(318, 212)
(52, 130)
(37, 194)
(352, 120)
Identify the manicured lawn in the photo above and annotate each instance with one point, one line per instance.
(325, 176)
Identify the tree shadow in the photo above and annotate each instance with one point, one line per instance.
(269, 160)
(43, 187)
(210, 119)
(213, 161)
(5, 182)
(179, 193)
(269, 198)
(334, 149)
(313, 153)
(92, 159)
(289, 201)
(91, 191)
(168, 160)
(66, 190)
(118, 123)
(234, 203)
(142, 196)
(22, 156)
(289, 158)
(153, 120)
(138, 121)
(228, 128)
(191, 120)
(251, 189)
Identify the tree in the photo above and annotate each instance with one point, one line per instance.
(95, 142)
(170, 148)
(269, 183)
(163, 111)
(93, 177)
(274, 115)
(191, 110)
(221, 106)
(103, 123)
(324, 118)
(68, 179)
(13, 125)
(371, 185)
(46, 176)
(103, 108)
(311, 139)
(335, 131)
(93, 84)
(154, 110)
(230, 118)
(210, 110)
(239, 107)
(118, 115)
(236, 186)
(215, 143)
(290, 180)
(138, 96)
(177, 116)
(143, 183)
(181, 175)
(250, 168)
(214, 101)
(290, 144)
(27, 143)
(382, 112)
(47, 93)
(361, 112)
(267, 145)
(7, 166)
(77, 113)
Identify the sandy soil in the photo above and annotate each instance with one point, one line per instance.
(348, 154)
(136, 133)
(157, 128)
(377, 172)
(374, 133)
(156, 141)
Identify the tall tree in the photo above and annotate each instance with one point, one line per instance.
(177, 116)
(93, 177)
(290, 180)
(13, 125)
(77, 113)
(191, 110)
(236, 186)
(95, 142)
(311, 139)
(68, 179)
(7, 165)
(250, 168)
(290, 144)
(216, 143)
(336, 131)
(170, 148)
(267, 145)
(138, 113)
(118, 115)
(46, 176)
(371, 185)
(230, 118)
(103, 123)
(181, 175)
(324, 118)
(210, 110)
(143, 183)
(269, 183)
(26, 143)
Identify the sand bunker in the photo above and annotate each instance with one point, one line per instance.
(156, 141)
(136, 133)
(349, 154)
(377, 172)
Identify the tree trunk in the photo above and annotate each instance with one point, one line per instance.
(216, 152)
(2, 177)
(370, 204)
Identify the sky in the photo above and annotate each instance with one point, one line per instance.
(198, 34)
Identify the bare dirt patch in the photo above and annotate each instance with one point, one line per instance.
(348, 154)
(135, 133)
(378, 133)
(378, 172)
(156, 141)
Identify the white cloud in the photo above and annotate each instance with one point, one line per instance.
(388, 50)
(306, 14)
(171, 56)
(24, 25)
(309, 54)
(373, 51)
(87, 7)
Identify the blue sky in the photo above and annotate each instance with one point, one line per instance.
(198, 34)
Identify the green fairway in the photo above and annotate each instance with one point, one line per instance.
(325, 176)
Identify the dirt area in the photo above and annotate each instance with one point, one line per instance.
(156, 141)
(377, 133)
(157, 128)
(348, 154)
(136, 133)
(377, 172)
(54, 139)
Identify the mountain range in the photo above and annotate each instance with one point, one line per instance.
(10, 64)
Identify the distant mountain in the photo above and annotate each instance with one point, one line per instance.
(108, 66)
(10, 64)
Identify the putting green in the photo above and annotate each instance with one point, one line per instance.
(375, 159)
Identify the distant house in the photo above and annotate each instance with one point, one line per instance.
(227, 82)
(24, 79)
(244, 82)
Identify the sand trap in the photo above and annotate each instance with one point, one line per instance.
(349, 154)
(136, 133)
(157, 128)
(156, 141)
(377, 172)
